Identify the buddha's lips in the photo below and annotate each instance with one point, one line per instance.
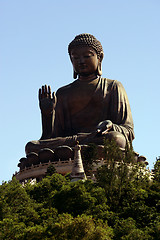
(82, 66)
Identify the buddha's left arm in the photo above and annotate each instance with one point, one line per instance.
(121, 111)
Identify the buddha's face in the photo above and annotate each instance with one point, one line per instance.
(84, 60)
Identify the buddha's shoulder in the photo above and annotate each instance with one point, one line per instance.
(111, 82)
(65, 89)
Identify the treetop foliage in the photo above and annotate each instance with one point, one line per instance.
(123, 204)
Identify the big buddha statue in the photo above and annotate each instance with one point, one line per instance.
(87, 110)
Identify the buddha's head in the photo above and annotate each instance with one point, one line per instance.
(86, 54)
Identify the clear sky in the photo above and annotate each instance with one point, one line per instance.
(34, 36)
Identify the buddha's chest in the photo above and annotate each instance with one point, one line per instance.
(80, 97)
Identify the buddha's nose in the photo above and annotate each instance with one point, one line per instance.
(81, 60)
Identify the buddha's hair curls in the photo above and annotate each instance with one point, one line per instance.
(86, 39)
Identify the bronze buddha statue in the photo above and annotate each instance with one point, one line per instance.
(88, 109)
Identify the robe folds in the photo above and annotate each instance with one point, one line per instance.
(106, 100)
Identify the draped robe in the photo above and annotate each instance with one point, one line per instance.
(106, 99)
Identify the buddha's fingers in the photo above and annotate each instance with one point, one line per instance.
(49, 92)
(45, 91)
(105, 132)
(40, 94)
(54, 99)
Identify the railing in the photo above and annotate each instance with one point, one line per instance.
(41, 165)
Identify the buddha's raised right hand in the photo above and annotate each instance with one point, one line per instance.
(47, 101)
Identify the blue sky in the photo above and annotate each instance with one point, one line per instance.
(34, 36)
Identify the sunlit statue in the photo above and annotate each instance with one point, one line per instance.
(89, 109)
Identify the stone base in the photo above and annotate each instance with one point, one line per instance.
(35, 165)
(39, 171)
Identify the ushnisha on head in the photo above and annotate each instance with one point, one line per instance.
(86, 40)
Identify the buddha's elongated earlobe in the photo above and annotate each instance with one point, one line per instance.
(99, 69)
(75, 74)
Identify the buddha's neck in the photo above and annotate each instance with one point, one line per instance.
(87, 78)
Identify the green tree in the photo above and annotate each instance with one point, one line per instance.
(79, 228)
(120, 176)
(73, 198)
(15, 203)
(125, 229)
(89, 156)
(123, 204)
(50, 170)
(43, 191)
(157, 170)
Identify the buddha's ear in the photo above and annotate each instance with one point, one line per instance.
(75, 74)
(101, 57)
(99, 68)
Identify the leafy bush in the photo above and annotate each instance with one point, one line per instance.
(122, 204)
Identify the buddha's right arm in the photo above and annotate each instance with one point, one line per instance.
(47, 125)
(47, 103)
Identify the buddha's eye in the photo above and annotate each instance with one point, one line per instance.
(87, 56)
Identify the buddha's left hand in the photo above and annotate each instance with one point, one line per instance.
(104, 127)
